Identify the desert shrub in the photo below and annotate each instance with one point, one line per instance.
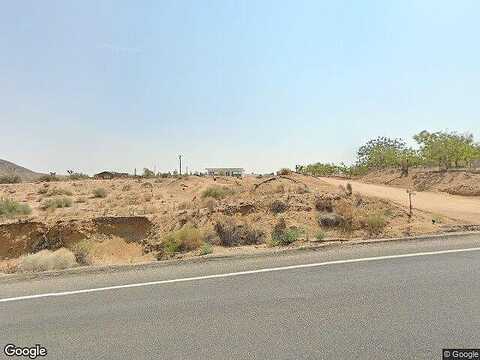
(278, 206)
(217, 192)
(209, 203)
(206, 249)
(320, 235)
(48, 178)
(126, 187)
(81, 200)
(47, 260)
(279, 189)
(302, 189)
(281, 235)
(10, 179)
(232, 234)
(81, 251)
(78, 176)
(284, 171)
(330, 220)
(58, 192)
(99, 193)
(324, 205)
(375, 223)
(10, 207)
(56, 203)
(186, 239)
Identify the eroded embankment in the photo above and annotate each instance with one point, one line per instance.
(21, 238)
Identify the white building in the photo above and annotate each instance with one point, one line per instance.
(238, 172)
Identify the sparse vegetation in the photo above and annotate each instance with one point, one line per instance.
(100, 193)
(10, 179)
(48, 178)
(284, 171)
(330, 220)
(81, 252)
(231, 233)
(58, 192)
(282, 236)
(11, 208)
(217, 192)
(56, 203)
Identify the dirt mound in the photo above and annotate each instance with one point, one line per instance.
(9, 168)
(20, 238)
(130, 228)
(452, 182)
(29, 237)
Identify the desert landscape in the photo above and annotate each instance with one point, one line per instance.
(66, 223)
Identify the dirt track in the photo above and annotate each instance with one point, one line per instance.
(465, 209)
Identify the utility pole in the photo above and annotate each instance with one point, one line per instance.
(180, 163)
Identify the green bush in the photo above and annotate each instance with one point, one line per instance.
(320, 235)
(56, 203)
(217, 192)
(10, 179)
(206, 249)
(11, 208)
(100, 193)
(186, 239)
(283, 236)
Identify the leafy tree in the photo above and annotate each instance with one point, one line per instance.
(447, 149)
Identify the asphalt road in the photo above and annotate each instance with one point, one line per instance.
(388, 308)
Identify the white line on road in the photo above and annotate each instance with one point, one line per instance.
(215, 276)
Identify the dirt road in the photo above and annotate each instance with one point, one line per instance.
(465, 209)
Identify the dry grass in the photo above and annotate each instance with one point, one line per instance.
(100, 193)
(56, 203)
(9, 208)
(217, 192)
(186, 239)
(46, 260)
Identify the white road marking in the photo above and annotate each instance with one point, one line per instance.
(249, 272)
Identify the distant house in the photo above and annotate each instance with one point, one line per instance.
(237, 172)
(107, 175)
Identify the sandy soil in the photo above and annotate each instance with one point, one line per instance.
(462, 208)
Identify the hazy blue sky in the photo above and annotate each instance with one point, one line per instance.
(95, 85)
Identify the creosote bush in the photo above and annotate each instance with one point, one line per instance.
(278, 206)
(10, 207)
(217, 192)
(99, 193)
(231, 233)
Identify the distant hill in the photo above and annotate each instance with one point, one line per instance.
(9, 168)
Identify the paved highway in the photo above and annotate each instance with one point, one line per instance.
(375, 305)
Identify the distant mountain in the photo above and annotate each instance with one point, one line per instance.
(9, 168)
